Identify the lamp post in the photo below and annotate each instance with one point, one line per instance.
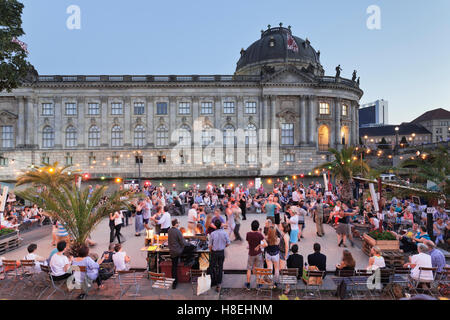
(139, 161)
(413, 138)
(365, 140)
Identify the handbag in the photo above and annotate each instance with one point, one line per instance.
(203, 284)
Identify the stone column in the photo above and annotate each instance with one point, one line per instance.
(21, 123)
(34, 105)
(150, 125)
(58, 123)
(173, 112)
(337, 120)
(104, 128)
(313, 120)
(357, 122)
(81, 129)
(240, 113)
(273, 118)
(217, 112)
(195, 108)
(303, 139)
(127, 123)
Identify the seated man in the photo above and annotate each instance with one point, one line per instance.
(32, 256)
(318, 259)
(420, 260)
(59, 263)
(437, 257)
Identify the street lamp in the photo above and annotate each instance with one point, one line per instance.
(365, 140)
(413, 138)
(396, 140)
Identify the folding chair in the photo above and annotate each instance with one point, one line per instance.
(402, 277)
(360, 290)
(386, 277)
(194, 275)
(344, 275)
(429, 284)
(57, 286)
(160, 282)
(128, 279)
(81, 282)
(313, 288)
(264, 277)
(28, 273)
(11, 274)
(288, 277)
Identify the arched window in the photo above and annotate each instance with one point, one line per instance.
(139, 136)
(117, 136)
(71, 136)
(94, 137)
(48, 137)
(250, 135)
(162, 136)
(184, 137)
(324, 138)
(228, 135)
(206, 135)
(345, 137)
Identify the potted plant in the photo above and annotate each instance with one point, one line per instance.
(6, 232)
(384, 240)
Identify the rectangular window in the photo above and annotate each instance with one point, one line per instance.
(345, 110)
(47, 109)
(324, 108)
(206, 108)
(115, 161)
(229, 158)
(228, 107)
(287, 133)
(250, 107)
(71, 109)
(139, 159)
(92, 160)
(7, 136)
(161, 159)
(252, 157)
(289, 158)
(4, 162)
(69, 160)
(139, 108)
(161, 108)
(93, 108)
(116, 108)
(45, 159)
(184, 108)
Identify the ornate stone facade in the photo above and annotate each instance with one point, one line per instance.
(101, 123)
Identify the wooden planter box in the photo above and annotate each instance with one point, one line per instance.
(384, 245)
(9, 242)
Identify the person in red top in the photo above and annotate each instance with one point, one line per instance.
(255, 259)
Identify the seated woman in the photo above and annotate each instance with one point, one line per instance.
(347, 263)
(120, 259)
(376, 261)
(92, 267)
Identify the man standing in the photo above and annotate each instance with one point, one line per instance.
(192, 218)
(255, 259)
(319, 218)
(147, 212)
(218, 241)
(177, 247)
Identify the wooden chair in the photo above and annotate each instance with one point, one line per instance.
(81, 283)
(160, 282)
(128, 279)
(310, 288)
(288, 277)
(264, 277)
(11, 275)
(28, 273)
(194, 275)
(425, 286)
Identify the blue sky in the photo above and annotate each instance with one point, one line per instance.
(406, 62)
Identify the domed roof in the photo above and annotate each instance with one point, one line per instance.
(273, 47)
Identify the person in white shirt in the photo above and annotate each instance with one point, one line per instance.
(120, 259)
(163, 219)
(376, 260)
(31, 256)
(420, 260)
(192, 218)
(295, 197)
(59, 263)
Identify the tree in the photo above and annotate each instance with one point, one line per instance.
(14, 69)
(434, 167)
(344, 167)
(78, 210)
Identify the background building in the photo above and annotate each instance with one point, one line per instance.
(129, 125)
(437, 121)
(374, 114)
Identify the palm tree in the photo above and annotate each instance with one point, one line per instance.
(78, 210)
(434, 167)
(344, 167)
(47, 175)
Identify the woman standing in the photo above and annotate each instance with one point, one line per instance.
(293, 221)
(272, 245)
(112, 228)
(284, 244)
(230, 218)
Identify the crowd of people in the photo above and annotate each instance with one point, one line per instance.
(217, 212)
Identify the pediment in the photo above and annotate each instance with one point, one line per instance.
(289, 75)
(7, 117)
(287, 114)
